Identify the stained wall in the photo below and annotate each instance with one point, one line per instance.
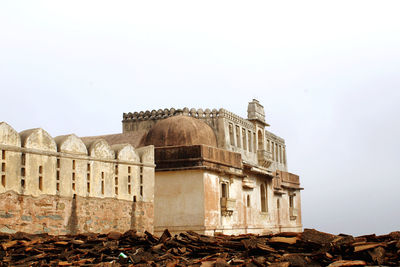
(95, 183)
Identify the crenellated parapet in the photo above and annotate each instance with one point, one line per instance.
(165, 113)
(34, 163)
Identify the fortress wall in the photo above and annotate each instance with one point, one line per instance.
(9, 160)
(101, 180)
(63, 215)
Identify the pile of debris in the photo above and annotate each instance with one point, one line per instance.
(310, 248)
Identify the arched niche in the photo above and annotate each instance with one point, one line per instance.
(8, 136)
(38, 139)
(71, 144)
(125, 152)
(100, 149)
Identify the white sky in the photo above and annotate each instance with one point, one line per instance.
(327, 73)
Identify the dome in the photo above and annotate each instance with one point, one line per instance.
(180, 131)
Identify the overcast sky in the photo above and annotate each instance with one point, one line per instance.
(327, 73)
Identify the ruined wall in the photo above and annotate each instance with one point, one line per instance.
(66, 169)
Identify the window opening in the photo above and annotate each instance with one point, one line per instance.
(231, 136)
(244, 139)
(238, 136)
(263, 198)
(224, 190)
(102, 183)
(249, 140)
(23, 158)
(260, 140)
(254, 142)
(291, 201)
(40, 178)
(40, 183)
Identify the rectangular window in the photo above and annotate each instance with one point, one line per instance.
(102, 183)
(88, 167)
(73, 164)
(116, 180)
(58, 187)
(73, 176)
(129, 169)
(23, 158)
(40, 169)
(129, 178)
(116, 169)
(273, 150)
(129, 189)
(224, 190)
(291, 201)
(116, 190)
(238, 136)
(73, 186)
(249, 141)
(3, 167)
(244, 139)
(58, 175)
(254, 142)
(58, 163)
(23, 172)
(40, 183)
(231, 136)
(141, 190)
(23, 183)
(3, 155)
(284, 155)
(141, 179)
(88, 187)
(3, 180)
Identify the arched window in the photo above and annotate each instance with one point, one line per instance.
(260, 140)
(263, 193)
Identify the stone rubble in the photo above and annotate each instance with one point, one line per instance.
(309, 248)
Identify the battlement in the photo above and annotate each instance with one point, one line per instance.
(165, 113)
(34, 163)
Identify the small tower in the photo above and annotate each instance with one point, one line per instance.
(255, 112)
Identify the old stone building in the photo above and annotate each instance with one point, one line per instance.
(204, 170)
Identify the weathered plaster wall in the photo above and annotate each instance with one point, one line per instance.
(99, 179)
(179, 201)
(62, 215)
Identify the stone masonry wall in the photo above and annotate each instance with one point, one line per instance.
(62, 215)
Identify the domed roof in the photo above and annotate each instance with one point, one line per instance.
(180, 131)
